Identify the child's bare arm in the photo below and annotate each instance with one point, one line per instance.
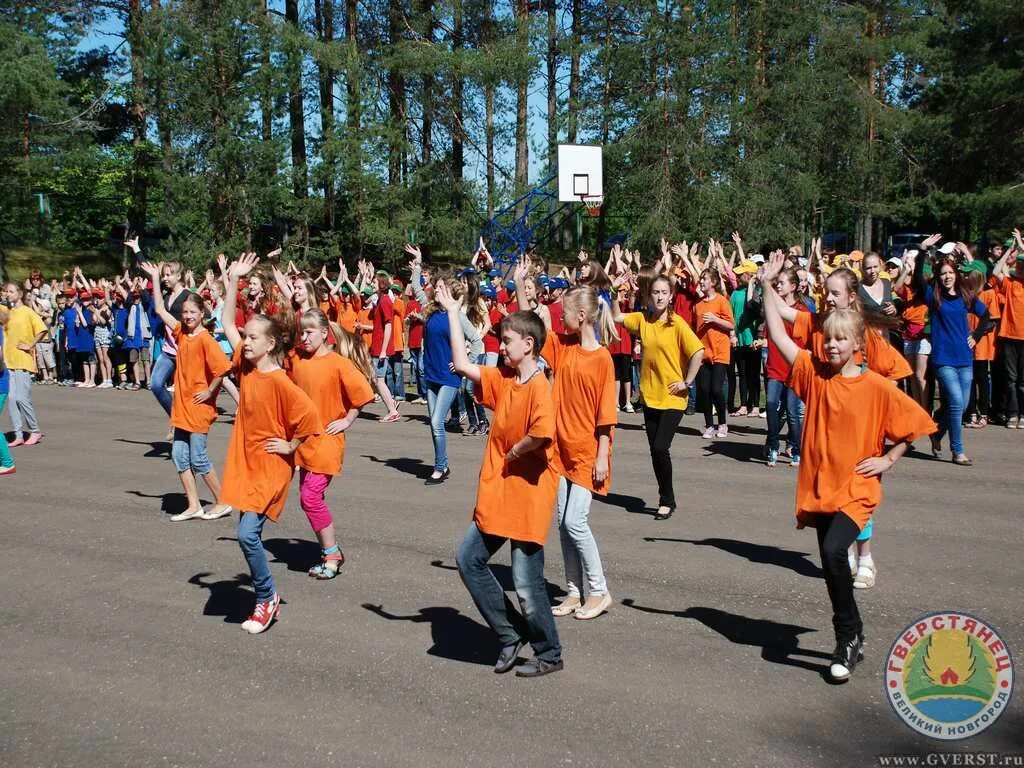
(460, 360)
(772, 314)
(153, 270)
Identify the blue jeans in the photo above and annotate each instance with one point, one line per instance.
(955, 390)
(439, 401)
(189, 451)
(776, 391)
(579, 548)
(416, 364)
(536, 622)
(250, 539)
(477, 413)
(395, 377)
(163, 371)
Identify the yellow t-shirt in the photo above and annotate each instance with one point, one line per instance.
(667, 350)
(23, 325)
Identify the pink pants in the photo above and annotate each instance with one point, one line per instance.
(312, 486)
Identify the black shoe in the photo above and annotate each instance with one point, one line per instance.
(507, 658)
(438, 480)
(845, 657)
(666, 516)
(539, 667)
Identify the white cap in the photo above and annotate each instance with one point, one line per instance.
(896, 260)
(757, 258)
(908, 254)
(947, 248)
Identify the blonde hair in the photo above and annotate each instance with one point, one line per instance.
(595, 310)
(845, 324)
(346, 344)
(4, 313)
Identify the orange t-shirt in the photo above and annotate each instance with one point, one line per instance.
(269, 405)
(585, 398)
(200, 359)
(882, 357)
(1011, 289)
(335, 386)
(847, 420)
(398, 325)
(986, 348)
(344, 312)
(363, 318)
(717, 347)
(516, 500)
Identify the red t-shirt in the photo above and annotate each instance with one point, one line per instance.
(382, 316)
(491, 341)
(684, 300)
(777, 368)
(415, 326)
(555, 310)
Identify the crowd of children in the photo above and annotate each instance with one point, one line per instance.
(832, 337)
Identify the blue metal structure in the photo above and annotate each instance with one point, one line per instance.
(508, 236)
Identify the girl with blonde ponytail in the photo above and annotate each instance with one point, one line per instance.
(586, 405)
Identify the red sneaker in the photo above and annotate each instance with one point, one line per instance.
(263, 616)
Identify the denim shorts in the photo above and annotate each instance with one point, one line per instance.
(189, 452)
(380, 367)
(917, 347)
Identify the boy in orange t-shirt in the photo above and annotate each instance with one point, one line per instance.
(851, 413)
(515, 498)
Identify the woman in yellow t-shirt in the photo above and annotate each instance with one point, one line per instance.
(670, 350)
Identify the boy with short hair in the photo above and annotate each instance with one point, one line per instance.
(516, 495)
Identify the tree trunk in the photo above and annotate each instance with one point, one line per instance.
(296, 114)
(324, 15)
(458, 161)
(353, 120)
(426, 156)
(522, 11)
(137, 110)
(266, 77)
(606, 121)
(163, 120)
(552, 83)
(396, 99)
(489, 88)
(574, 71)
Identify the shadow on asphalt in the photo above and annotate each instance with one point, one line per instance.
(229, 598)
(455, 636)
(756, 553)
(632, 504)
(158, 449)
(751, 452)
(170, 503)
(409, 466)
(297, 554)
(503, 573)
(778, 642)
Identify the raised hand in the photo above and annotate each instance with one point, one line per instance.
(151, 269)
(444, 297)
(931, 240)
(416, 253)
(274, 253)
(133, 243)
(772, 267)
(246, 263)
(737, 240)
(222, 264)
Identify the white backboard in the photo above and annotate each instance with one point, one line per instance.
(579, 172)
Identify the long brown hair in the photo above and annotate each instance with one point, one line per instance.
(649, 309)
(959, 285)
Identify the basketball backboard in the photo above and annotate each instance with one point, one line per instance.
(580, 172)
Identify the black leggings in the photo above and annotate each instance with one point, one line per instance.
(748, 365)
(981, 402)
(835, 535)
(661, 428)
(711, 383)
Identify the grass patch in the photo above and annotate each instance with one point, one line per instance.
(22, 259)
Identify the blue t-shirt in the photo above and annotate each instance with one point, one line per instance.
(5, 377)
(950, 328)
(79, 336)
(437, 351)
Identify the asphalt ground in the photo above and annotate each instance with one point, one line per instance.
(121, 646)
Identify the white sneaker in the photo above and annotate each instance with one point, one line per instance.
(629, 408)
(709, 434)
(865, 577)
(722, 431)
(106, 385)
(188, 515)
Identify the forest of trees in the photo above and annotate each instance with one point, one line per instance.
(357, 122)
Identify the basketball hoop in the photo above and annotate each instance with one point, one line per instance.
(593, 203)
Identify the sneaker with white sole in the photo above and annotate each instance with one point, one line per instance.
(722, 431)
(795, 461)
(628, 408)
(709, 434)
(263, 615)
(845, 657)
(773, 457)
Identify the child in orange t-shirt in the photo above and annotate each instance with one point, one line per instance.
(980, 405)
(585, 396)
(202, 365)
(851, 412)
(713, 318)
(339, 389)
(515, 498)
(273, 419)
